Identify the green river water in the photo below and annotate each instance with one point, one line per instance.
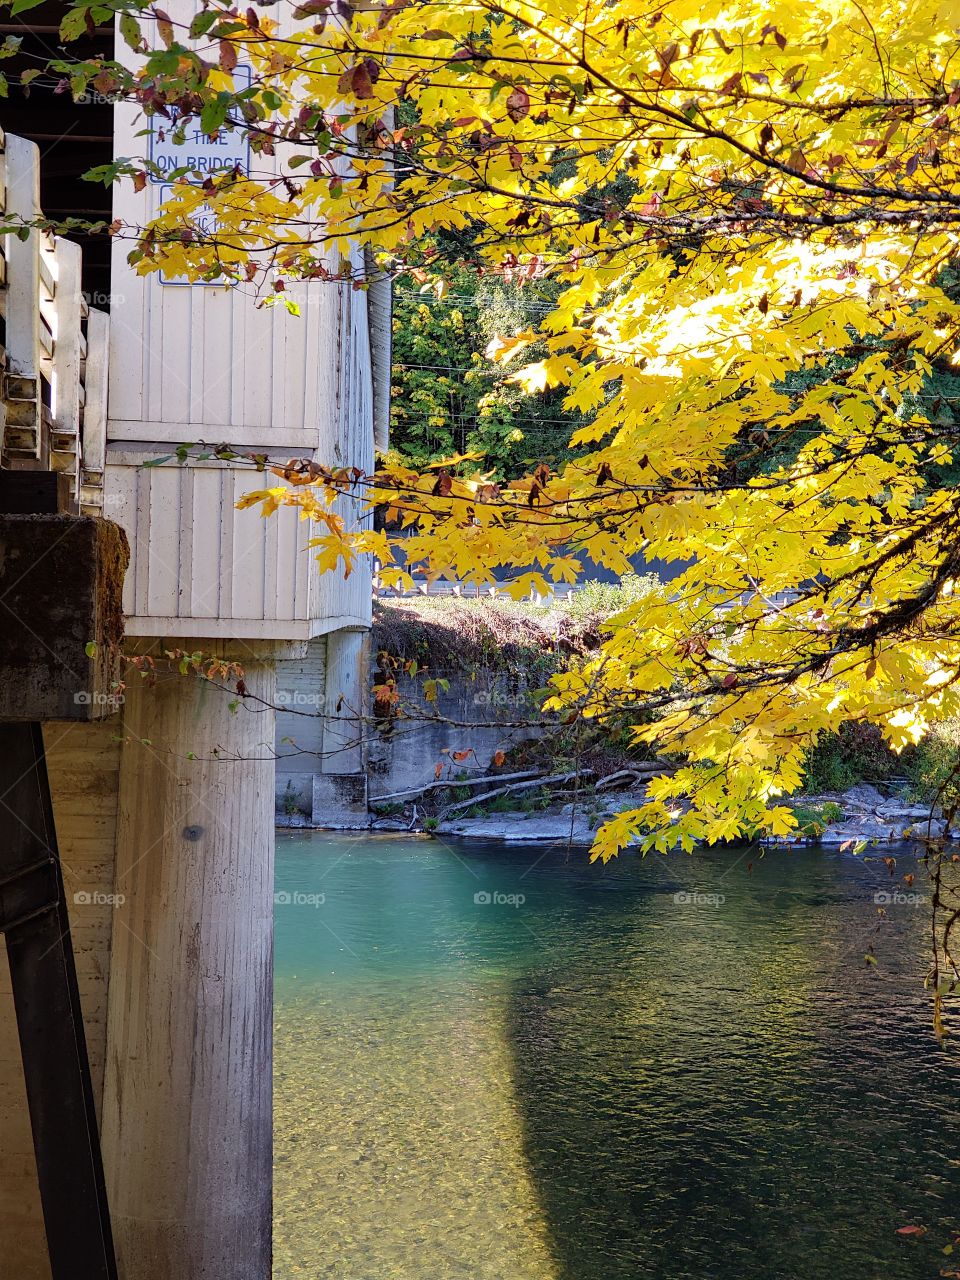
(504, 1063)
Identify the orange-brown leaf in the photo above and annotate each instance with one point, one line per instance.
(518, 104)
(228, 55)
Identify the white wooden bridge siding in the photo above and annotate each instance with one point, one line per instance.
(208, 562)
(205, 363)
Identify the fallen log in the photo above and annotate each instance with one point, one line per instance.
(636, 773)
(622, 775)
(481, 779)
(514, 786)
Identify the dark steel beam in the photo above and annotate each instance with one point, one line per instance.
(33, 917)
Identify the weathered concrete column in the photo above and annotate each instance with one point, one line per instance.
(340, 788)
(187, 1095)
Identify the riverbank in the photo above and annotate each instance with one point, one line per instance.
(836, 818)
(861, 813)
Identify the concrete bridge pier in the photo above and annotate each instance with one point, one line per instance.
(340, 783)
(187, 1112)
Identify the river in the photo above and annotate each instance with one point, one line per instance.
(504, 1063)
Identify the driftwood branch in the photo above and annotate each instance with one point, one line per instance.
(514, 786)
(483, 779)
(528, 778)
(636, 773)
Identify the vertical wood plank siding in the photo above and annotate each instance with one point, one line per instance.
(193, 363)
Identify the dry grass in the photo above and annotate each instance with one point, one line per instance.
(450, 632)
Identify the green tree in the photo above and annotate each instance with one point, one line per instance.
(448, 398)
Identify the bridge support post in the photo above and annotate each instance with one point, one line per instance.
(187, 1111)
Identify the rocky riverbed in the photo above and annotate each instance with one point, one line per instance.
(834, 818)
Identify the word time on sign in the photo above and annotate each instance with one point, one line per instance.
(205, 152)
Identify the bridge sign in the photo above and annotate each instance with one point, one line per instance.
(208, 153)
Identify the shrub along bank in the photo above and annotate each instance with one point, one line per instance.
(517, 647)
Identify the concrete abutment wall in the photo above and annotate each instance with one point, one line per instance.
(322, 737)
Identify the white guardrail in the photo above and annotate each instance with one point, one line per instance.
(53, 357)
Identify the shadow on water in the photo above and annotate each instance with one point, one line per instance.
(503, 1063)
(726, 1089)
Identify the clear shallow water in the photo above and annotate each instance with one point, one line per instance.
(603, 1083)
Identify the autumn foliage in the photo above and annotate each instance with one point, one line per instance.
(750, 211)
